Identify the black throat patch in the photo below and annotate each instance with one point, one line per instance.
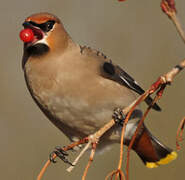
(35, 50)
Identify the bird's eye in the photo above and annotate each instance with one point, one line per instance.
(46, 27)
(50, 25)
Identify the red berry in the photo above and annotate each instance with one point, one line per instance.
(26, 35)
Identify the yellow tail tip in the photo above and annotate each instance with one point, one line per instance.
(170, 157)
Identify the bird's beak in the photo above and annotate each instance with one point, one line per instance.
(26, 24)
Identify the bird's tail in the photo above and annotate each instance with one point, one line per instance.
(152, 152)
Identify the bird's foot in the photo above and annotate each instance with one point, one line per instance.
(59, 152)
(118, 116)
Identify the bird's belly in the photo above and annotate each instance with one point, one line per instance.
(81, 107)
(79, 114)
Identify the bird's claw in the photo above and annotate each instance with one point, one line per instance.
(59, 152)
(118, 116)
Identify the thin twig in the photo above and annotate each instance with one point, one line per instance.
(79, 156)
(141, 98)
(168, 7)
(178, 26)
(135, 135)
(180, 133)
(110, 175)
(44, 168)
(117, 173)
(128, 110)
(90, 160)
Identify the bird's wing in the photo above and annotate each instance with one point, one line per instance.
(117, 74)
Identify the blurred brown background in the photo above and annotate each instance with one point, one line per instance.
(136, 35)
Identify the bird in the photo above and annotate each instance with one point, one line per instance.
(80, 89)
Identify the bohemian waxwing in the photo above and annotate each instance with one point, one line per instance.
(78, 88)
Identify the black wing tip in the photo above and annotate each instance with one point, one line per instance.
(149, 100)
(156, 107)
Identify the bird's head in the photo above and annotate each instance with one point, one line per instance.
(43, 32)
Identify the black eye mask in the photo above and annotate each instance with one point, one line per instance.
(46, 27)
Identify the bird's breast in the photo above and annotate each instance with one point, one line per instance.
(74, 94)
